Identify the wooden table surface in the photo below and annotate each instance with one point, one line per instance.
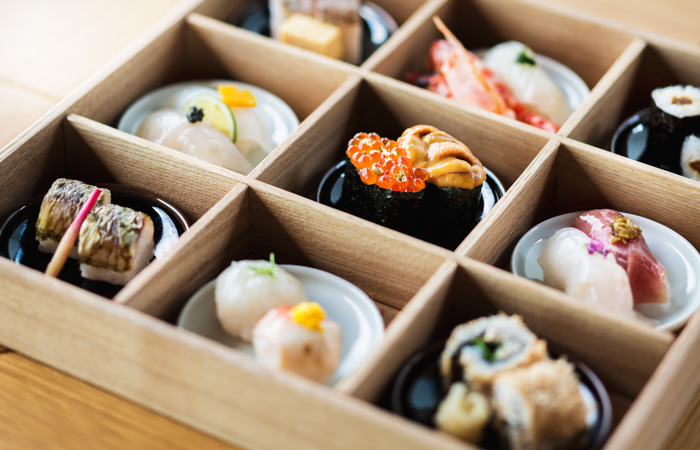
(48, 49)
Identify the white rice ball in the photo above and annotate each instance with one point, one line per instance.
(690, 157)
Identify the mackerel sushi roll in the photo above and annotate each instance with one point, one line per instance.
(478, 351)
(381, 183)
(58, 210)
(675, 115)
(115, 244)
(454, 177)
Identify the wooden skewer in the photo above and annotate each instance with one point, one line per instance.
(58, 260)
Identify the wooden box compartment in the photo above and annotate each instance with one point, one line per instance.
(647, 65)
(145, 358)
(482, 24)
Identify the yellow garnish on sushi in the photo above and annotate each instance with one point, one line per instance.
(309, 315)
(623, 230)
(233, 96)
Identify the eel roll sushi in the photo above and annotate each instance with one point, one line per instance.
(381, 183)
(675, 115)
(478, 351)
(454, 177)
(115, 243)
(58, 210)
(539, 406)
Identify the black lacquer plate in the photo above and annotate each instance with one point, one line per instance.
(330, 193)
(18, 229)
(417, 392)
(378, 25)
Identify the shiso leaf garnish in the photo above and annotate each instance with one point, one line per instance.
(488, 349)
(524, 58)
(270, 270)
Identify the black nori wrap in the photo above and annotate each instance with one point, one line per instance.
(448, 214)
(396, 210)
(665, 139)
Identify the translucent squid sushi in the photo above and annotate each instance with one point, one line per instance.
(58, 210)
(585, 269)
(516, 64)
(299, 339)
(247, 290)
(115, 243)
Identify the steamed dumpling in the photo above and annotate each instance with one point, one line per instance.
(247, 290)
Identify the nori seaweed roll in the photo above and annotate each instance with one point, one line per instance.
(450, 207)
(675, 115)
(690, 157)
(381, 184)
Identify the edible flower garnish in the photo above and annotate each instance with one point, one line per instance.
(309, 315)
(595, 246)
(623, 230)
(488, 349)
(270, 270)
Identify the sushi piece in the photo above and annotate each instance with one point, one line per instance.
(516, 64)
(454, 177)
(115, 243)
(675, 115)
(195, 138)
(463, 413)
(539, 406)
(381, 184)
(247, 290)
(647, 277)
(461, 75)
(583, 268)
(690, 157)
(345, 14)
(479, 350)
(58, 209)
(299, 339)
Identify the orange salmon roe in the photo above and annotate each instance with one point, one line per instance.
(382, 162)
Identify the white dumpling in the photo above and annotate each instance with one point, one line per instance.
(529, 82)
(247, 290)
(590, 277)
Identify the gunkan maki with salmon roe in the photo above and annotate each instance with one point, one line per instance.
(381, 184)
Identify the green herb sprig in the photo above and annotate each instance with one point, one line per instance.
(488, 349)
(524, 58)
(270, 270)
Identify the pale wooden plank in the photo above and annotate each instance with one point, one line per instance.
(686, 434)
(54, 409)
(21, 107)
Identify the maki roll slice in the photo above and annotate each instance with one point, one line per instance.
(115, 243)
(382, 184)
(675, 115)
(454, 177)
(58, 210)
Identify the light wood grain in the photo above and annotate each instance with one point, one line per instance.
(54, 409)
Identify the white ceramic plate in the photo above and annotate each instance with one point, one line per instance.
(278, 117)
(361, 324)
(572, 86)
(678, 256)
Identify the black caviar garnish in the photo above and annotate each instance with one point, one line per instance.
(195, 114)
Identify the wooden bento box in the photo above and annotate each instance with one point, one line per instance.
(130, 345)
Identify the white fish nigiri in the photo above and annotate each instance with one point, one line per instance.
(201, 139)
(516, 65)
(246, 290)
(299, 339)
(580, 266)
